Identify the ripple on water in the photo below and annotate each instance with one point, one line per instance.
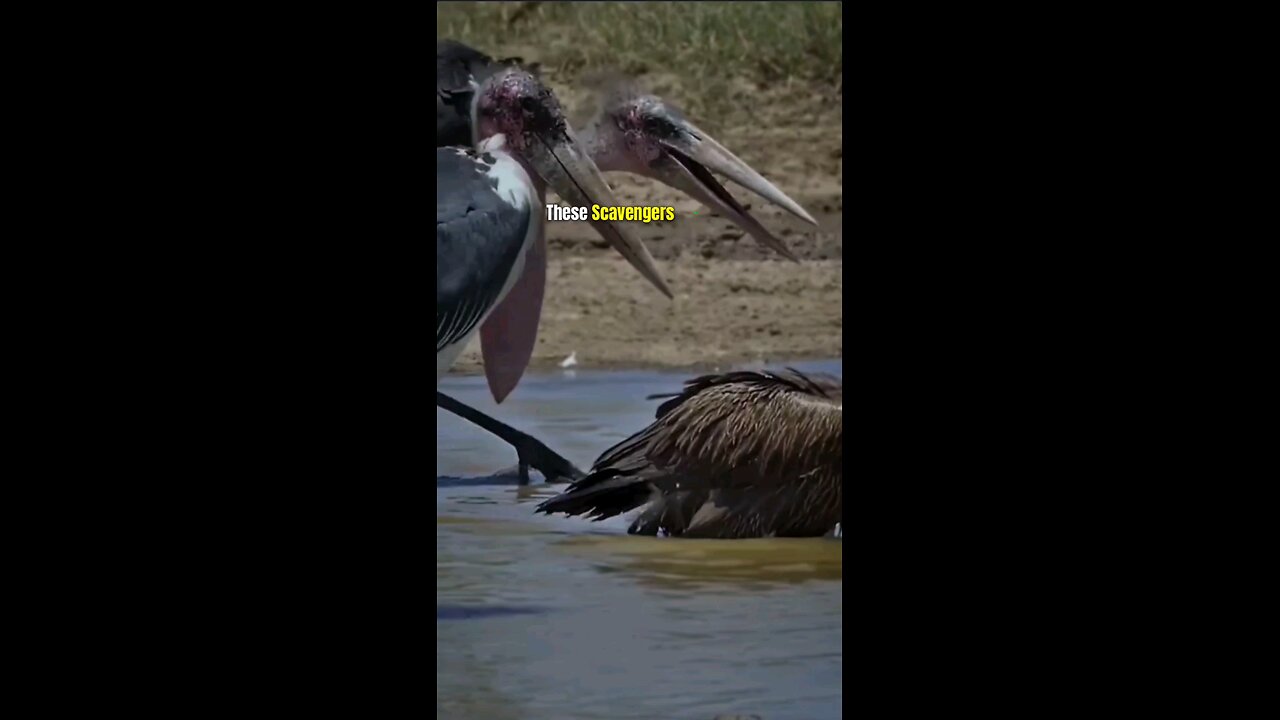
(680, 564)
(475, 612)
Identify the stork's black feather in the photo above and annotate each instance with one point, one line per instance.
(457, 65)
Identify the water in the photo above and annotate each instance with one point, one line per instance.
(553, 617)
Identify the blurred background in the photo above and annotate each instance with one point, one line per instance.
(763, 78)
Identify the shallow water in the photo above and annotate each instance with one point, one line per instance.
(553, 617)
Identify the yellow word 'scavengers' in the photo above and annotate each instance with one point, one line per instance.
(632, 214)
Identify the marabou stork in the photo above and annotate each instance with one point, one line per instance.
(490, 245)
(735, 455)
(631, 132)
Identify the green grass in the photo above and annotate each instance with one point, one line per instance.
(716, 47)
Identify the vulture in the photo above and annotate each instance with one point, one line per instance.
(735, 455)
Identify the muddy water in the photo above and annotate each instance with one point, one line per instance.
(541, 617)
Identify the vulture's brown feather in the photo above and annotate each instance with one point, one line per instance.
(740, 454)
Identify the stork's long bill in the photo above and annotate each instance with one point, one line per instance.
(578, 181)
(516, 104)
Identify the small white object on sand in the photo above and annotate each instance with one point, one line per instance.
(570, 361)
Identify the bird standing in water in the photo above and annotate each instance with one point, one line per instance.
(491, 254)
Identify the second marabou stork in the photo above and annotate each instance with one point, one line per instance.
(490, 244)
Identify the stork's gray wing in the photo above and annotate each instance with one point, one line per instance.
(478, 239)
(456, 66)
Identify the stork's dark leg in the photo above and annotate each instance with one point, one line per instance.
(530, 450)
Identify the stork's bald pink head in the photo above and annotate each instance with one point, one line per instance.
(647, 126)
(516, 104)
